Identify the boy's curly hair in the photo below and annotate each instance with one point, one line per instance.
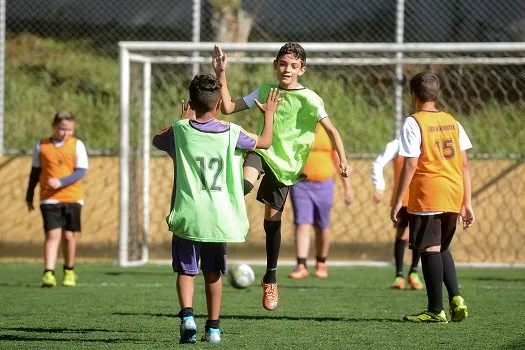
(294, 49)
(205, 91)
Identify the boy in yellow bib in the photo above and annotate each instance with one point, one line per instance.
(436, 168)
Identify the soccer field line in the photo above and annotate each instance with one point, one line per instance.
(351, 263)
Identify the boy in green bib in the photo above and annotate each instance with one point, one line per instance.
(207, 208)
(293, 136)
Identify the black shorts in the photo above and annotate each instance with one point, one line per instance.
(61, 215)
(402, 218)
(271, 191)
(432, 230)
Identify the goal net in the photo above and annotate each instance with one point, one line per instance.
(364, 87)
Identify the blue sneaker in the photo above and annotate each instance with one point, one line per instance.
(188, 329)
(213, 335)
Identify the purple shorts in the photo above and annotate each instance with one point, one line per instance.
(312, 202)
(186, 255)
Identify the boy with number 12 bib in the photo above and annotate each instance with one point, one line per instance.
(207, 207)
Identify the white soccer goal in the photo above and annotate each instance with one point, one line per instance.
(134, 221)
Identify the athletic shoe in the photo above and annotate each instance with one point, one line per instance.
(300, 272)
(321, 270)
(49, 280)
(427, 317)
(213, 335)
(414, 281)
(188, 329)
(458, 309)
(270, 296)
(70, 278)
(399, 283)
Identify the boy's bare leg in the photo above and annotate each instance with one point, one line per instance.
(302, 247)
(250, 175)
(302, 240)
(213, 286)
(322, 241)
(322, 244)
(51, 244)
(185, 288)
(69, 245)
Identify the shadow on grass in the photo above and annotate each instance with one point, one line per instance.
(19, 284)
(31, 338)
(44, 331)
(260, 317)
(494, 279)
(140, 272)
(57, 330)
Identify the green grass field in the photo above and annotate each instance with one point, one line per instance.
(136, 308)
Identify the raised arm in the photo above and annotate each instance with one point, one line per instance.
(219, 63)
(272, 103)
(337, 144)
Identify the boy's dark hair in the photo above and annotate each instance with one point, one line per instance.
(205, 91)
(62, 114)
(294, 49)
(425, 86)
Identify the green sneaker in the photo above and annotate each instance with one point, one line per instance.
(458, 309)
(414, 281)
(399, 283)
(49, 280)
(70, 278)
(427, 317)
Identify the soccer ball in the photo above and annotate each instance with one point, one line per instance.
(241, 276)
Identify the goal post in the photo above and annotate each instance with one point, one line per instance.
(134, 220)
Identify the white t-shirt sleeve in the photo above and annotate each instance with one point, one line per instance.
(410, 139)
(35, 160)
(389, 153)
(82, 158)
(250, 99)
(464, 141)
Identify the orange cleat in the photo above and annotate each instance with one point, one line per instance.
(299, 273)
(321, 270)
(270, 296)
(414, 281)
(399, 283)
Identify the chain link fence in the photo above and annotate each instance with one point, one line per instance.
(65, 53)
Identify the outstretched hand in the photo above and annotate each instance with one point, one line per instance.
(273, 101)
(218, 61)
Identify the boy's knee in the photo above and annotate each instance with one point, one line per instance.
(248, 187)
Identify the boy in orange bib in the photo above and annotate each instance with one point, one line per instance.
(436, 173)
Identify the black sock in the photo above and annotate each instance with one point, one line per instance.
(248, 187)
(320, 259)
(433, 274)
(416, 255)
(187, 311)
(301, 261)
(449, 274)
(68, 267)
(273, 244)
(211, 324)
(49, 270)
(399, 252)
